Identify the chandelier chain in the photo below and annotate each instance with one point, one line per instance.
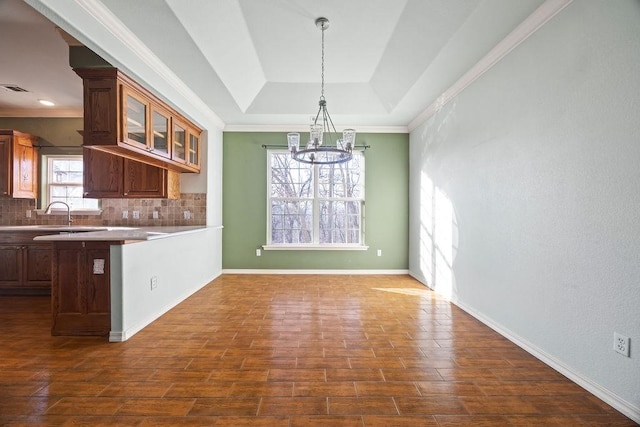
(322, 65)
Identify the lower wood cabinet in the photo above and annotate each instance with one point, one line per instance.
(25, 265)
(80, 292)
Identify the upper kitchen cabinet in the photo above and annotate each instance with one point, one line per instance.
(19, 165)
(121, 117)
(186, 144)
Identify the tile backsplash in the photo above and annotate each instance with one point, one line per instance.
(189, 209)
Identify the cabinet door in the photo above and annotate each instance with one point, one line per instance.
(193, 152)
(102, 174)
(143, 180)
(80, 289)
(100, 103)
(37, 260)
(160, 131)
(10, 266)
(5, 165)
(179, 150)
(135, 118)
(25, 167)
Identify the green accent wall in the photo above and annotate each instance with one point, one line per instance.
(245, 207)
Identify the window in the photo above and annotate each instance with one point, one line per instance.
(64, 182)
(315, 205)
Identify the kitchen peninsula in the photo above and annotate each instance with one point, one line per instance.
(114, 280)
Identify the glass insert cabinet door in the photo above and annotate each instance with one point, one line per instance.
(194, 155)
(160, 131)
(179, 151)
(135, 120)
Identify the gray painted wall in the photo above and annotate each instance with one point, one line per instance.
(539, 160)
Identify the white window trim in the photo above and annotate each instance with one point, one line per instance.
(316, 219)
(311, 247)
(56, 209)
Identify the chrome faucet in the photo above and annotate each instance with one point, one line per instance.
(48, 210)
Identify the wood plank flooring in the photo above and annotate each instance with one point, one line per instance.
(286, 350)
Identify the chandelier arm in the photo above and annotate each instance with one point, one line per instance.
(315, 122)
(330, 121)
(328, 125)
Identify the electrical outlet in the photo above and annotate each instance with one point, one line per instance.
(155, 215)
(379, 252)
(154, 282)
(187, 215)
(125, 214)
(621, 344)
(258, 252)
(28, 213)
(136, 214)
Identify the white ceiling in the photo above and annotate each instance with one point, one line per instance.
(257, 62)
(34, 57)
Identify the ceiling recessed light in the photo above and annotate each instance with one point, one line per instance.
(46, 102)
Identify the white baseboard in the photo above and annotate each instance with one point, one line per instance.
(116, 336)
(343, 272)
(121, 336)
(597, 390)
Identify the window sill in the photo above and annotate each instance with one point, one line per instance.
(315, 247)
(89, 212)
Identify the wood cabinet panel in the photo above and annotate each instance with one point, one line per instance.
(109, 176)
(100, 105)
(19, 160)
(5, 164)
(68, 279)
(81, 303)
(38, 260)
(142, 180)
(98, 290)
(25, 265)
(102, 174)
(10, 265)
(25, 167)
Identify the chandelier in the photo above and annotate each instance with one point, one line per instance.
(325, 147)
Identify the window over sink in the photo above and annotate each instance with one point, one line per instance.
(63, 181)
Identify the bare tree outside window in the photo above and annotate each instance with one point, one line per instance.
(64, 182)
(319, 204)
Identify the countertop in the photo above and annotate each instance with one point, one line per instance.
(101, 233)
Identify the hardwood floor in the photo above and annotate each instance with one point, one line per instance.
(273, 350)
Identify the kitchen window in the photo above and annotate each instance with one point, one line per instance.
(63, 181)
(315, 206)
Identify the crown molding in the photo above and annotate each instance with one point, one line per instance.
(305, 128)
(528, 27)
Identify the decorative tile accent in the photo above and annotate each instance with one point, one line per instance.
(169, 212)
